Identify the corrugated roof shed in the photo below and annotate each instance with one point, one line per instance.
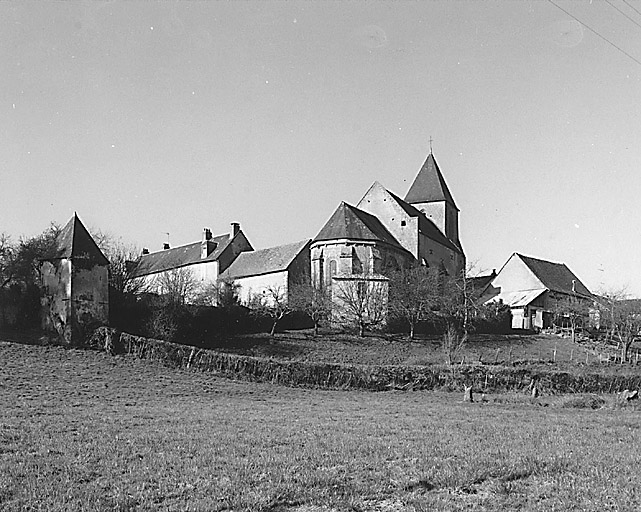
(265, 261)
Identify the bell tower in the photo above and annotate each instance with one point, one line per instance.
(429, 194)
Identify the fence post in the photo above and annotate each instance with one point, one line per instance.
(555, 353)
(571, 355)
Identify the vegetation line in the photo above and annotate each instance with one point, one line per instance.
(488, 378)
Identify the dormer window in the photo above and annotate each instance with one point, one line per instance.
(403, 223)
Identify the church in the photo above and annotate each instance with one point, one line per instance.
(361, 243)
(384, 232)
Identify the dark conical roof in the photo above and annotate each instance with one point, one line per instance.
(429, 185)
(351, 223)
(74, 241)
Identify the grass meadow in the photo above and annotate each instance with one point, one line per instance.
(82, 430)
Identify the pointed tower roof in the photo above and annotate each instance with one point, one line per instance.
(74, 241)
(351, 223)
(429, 185)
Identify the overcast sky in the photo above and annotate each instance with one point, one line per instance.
(166, 117)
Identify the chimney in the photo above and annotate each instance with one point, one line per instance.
(207, 245)
(165, 246)
(235, 228)
(145, 251)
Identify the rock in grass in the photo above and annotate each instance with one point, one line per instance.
(628, 395)
(467, 396)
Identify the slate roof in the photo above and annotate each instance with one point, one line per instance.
(74, 241)
(429, 185)
(265, 261)
(425, 225)
(555, 276)
(177, 257)
(354, 224)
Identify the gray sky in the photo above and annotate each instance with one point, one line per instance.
(157, 117)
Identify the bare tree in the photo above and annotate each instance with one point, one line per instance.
(453, 343)
(414, 294)
(273, 303)
(122, 257)
(314, 301)
(361, 300)
(7, 254)
(220, 293)
(622, 316)
(179, 285)
(459, 303)
(571, 311)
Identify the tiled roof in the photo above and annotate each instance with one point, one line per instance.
(74, 241)
(429, 185)
(425, 225)
(265, 261)
(555, 276)
(351, 223)
(177, 257)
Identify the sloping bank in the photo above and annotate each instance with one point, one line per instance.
(369, 377)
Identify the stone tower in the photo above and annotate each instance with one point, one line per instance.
(430, 195)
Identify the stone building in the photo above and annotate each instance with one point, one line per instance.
(75, 281)
(533, 288)
(384, 232)
(199, 262)
(270, 272)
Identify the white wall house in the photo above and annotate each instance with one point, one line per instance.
(532, 288)
(204, 260)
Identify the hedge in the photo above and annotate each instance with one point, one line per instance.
(367, 377)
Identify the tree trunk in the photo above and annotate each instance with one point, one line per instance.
(273, 331)
(411, 331)
(361, 329)
(315, 328)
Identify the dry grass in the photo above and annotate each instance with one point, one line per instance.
(86, 431)
(396, 349)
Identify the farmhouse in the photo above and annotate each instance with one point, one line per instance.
(270, 273)
(75, 284)
(533, 289)
(201, 261)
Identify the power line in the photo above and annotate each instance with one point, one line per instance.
(596, 33)
(631, 6)
(624, 14)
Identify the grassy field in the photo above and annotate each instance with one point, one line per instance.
(82, 430)
(396, 349)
